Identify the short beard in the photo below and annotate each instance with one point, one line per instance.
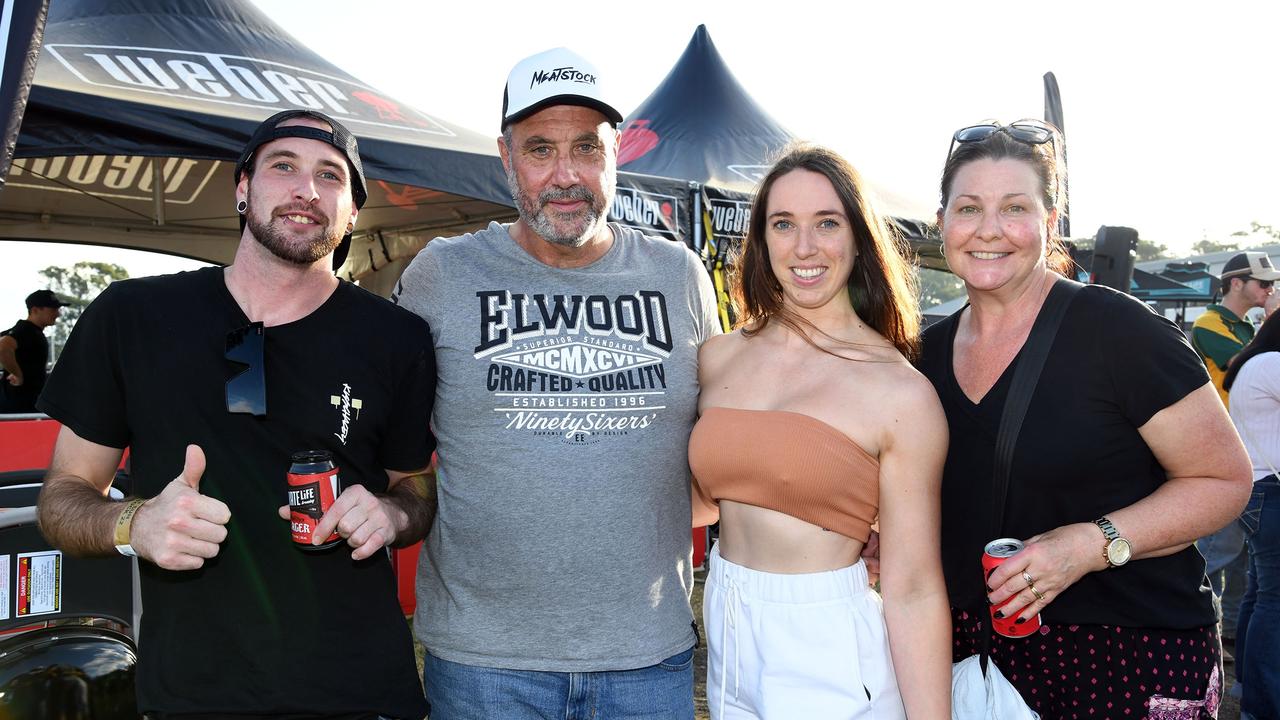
(594, 216)
(271, 236)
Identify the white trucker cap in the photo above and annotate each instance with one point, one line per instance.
(1251, 265)
(555, 77)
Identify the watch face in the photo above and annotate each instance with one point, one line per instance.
(1118, 551)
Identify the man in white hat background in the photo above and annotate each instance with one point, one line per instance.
(556, 576)
(1223, 330)
(1219, 334)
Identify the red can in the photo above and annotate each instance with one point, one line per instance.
(313, 486)
(996, 552)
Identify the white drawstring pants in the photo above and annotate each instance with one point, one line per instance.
(783, 646)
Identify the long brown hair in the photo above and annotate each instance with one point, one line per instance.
(881, 285)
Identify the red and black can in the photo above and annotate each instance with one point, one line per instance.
(313, 486)
(996, 552)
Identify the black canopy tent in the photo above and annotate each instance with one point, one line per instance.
(702, 127)
(127, 86)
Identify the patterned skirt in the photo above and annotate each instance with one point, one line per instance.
(1100, 671)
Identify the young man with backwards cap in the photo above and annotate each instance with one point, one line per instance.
(1219, 334)
(24, 353)
(556, 577)
(214, 378)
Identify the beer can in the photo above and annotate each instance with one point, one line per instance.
(995, 553)
(313, 486)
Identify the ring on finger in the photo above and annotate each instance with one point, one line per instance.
(1030, 580)
(1039, 595)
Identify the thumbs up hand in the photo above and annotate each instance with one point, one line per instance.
(180, 528)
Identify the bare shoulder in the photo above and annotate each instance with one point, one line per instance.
(719, 350)
(911, 406)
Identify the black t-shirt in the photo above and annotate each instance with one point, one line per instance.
(1112, 366)
(263, 627)
(32, 355)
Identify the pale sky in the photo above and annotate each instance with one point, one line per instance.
(1168, 111)
(1169, 106)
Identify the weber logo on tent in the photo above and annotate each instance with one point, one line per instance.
(653, 213)
(114, 176)
(236, 80)
(729, 218)
(562, 74)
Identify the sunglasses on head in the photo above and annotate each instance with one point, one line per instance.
(1029, 131)
(1264, 284)
(247, 390)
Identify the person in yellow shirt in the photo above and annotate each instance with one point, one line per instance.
(1222, 331)
(1219, 335)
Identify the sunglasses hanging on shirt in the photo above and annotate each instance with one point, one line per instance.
(247, 389)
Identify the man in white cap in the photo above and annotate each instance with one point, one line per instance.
(1219, 334)
(556, 577)
(1222, 331)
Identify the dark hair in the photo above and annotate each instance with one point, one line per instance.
(1267, 340)
(1226, 283)
(1042, 157)
(881, 285)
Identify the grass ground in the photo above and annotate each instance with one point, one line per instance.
(1230, 706)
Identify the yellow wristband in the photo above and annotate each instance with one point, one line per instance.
(124, 523)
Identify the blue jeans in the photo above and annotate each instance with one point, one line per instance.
(1221, 550)
(1225, 563)
(465, 692)
(1258, 641)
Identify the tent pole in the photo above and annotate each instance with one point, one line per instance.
(698, 243)
(157, 190)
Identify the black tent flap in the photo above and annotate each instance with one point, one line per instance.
(128, 87)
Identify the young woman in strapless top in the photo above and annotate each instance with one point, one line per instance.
(813, 426)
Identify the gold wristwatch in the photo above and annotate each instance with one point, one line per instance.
(1117, 550)
(124, 527)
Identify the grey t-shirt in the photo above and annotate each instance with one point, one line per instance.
(563, 411)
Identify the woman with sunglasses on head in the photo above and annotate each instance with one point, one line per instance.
(1124, 457)
(1253, 379)
(813, 424)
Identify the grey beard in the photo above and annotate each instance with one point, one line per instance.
(535, 216)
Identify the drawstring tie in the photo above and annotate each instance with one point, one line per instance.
(732, 608)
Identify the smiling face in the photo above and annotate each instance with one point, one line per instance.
(995, 227)
(299, 196)
(810, 241)
(562, 172)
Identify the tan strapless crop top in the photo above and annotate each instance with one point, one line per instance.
(784, 461)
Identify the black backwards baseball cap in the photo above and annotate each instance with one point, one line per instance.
(1250, 265)
(340, 138)
(555, 77)
(44, 298)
